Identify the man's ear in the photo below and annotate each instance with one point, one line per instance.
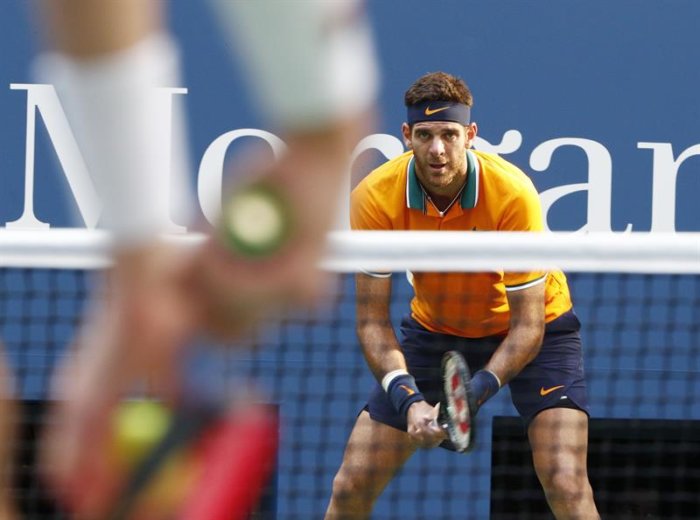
(406, 132)
(471, 130)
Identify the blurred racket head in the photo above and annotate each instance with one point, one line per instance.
(455, 414)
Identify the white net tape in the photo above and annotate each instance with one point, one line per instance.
(351, 251)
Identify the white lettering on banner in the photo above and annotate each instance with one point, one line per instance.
(511, 141)
(211, 167)
(599, 185)
(665, 168)
(42, 99)
(171, 159)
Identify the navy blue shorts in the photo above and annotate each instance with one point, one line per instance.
(553, 379)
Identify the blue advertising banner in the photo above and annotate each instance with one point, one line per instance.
(597, 101)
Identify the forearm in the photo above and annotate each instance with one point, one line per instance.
(87, 29)
(379, 344)
(387, 363)
(520, 347)
(381, 348)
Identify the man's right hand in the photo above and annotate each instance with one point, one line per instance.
(423, 427)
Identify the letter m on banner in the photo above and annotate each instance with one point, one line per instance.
(43, 99)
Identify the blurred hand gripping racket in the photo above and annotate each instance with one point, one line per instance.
(199, 461)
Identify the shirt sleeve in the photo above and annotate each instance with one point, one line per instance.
(366, 215)
(523, 213)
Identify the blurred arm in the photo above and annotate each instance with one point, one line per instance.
(86, 29)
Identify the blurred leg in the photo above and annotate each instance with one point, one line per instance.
(8, 418)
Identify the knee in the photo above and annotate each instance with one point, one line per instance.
(565, 485)
(351, 494)
(346, 486)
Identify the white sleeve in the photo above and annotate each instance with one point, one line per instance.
(310, 61)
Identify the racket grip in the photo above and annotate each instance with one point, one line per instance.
(440, 424)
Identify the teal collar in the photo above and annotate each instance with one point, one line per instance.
(415, 198)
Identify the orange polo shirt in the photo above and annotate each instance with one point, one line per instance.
(497, 197)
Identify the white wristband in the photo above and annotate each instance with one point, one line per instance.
(388, 378)
(495, 376)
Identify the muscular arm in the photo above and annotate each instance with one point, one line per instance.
(383, 353)
(522, 343)
(374, 329)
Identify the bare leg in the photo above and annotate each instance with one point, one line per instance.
(7, 440)
(373, 455)
(559, 441)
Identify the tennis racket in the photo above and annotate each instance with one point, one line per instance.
(455, 414)
(215, 464)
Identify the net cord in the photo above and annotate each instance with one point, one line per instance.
(394, 251)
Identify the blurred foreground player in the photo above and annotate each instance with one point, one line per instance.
(312, 64)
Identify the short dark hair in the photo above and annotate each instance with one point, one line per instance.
(438, 86)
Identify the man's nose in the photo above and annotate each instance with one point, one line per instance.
(437, 147)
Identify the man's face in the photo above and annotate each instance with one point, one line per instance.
(439, 151)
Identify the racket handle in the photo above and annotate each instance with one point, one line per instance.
(442, 425)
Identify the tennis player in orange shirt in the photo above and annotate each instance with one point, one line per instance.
(512, 328)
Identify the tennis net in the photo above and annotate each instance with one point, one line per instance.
(637, 297)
